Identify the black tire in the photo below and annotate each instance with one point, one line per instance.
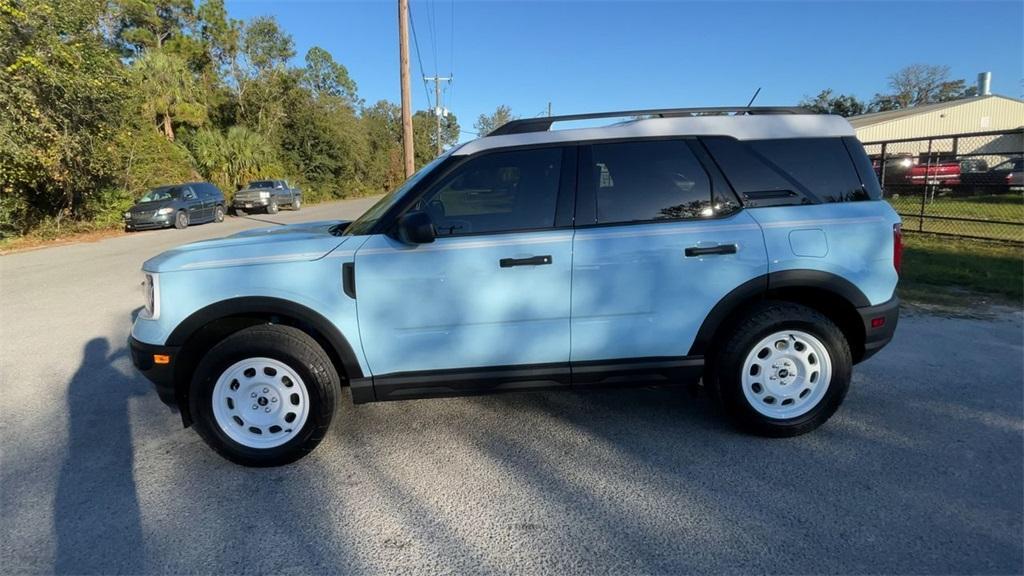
(726, 367)
(238, 211)
(297, 203)
(288, 345)
(218, 213)
(181, 220)
(272, 208)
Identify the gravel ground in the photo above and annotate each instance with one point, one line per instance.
(921, 471)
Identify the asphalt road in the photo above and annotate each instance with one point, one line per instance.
(921, 470)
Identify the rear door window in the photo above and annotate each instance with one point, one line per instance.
(648, 180)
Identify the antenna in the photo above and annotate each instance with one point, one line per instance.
(754, 97)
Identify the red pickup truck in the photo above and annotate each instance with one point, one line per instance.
(941, 174)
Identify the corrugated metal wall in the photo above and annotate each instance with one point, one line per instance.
(977, 116)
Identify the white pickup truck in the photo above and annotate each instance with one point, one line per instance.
(267, 196)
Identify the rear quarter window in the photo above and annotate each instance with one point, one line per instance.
(789, 171)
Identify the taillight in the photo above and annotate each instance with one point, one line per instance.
(897, 246)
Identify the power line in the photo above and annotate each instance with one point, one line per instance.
(451, 43)
(416, 43)
(451, 62)
(431, 19)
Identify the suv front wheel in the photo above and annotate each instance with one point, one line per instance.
(783, 370)
(264, 396)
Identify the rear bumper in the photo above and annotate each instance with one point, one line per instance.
(161, 375)
(879, 325)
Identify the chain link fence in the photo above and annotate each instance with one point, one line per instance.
(963, 185)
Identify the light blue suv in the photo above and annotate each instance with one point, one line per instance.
(747, 248)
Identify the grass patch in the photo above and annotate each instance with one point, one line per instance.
(950, 272)
(1004, 207)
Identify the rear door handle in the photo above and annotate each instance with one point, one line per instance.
(531, 261)
(706, 250)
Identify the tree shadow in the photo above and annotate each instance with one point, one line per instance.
(96, 511)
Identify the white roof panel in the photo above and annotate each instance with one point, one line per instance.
(749, 127)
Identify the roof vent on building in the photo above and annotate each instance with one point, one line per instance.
(985, 84)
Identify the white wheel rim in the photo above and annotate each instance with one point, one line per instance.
(786, 374)
(260, 403)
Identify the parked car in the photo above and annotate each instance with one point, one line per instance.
(750, 251)
(267, 196)
(941, 173)
(1000, 179)
(897, 169)
(176, 205)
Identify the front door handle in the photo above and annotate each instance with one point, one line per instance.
(706, 250)
(531, 261)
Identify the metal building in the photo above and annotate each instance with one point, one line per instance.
(988, 113)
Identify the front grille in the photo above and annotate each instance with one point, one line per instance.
(247, 196)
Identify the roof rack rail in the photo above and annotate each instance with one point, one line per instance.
(544, 123)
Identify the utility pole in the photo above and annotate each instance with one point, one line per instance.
(403, 60)
(549, 108)
(437, 105)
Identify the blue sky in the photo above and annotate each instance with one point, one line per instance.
(590, 56)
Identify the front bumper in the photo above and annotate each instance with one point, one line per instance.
(879, 325)
(161, 375)
(250, 204)
(148, 222)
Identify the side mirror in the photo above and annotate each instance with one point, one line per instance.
(416, 228)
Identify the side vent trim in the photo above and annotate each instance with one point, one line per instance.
(348, 279)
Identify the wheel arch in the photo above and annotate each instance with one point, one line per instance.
(831, 295)
(211, 324)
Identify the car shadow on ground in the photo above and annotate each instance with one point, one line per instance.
(663, 484)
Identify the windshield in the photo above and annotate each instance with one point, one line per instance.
(161, 193)
(262, 184)
(364, 223)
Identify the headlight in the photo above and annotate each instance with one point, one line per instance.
(151, 296)
(128, 215)
(264, 195)
(165, 211)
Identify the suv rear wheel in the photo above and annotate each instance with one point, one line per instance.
(783, 370)
(264, 396)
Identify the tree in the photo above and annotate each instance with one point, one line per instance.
(325, 77)
(170, 91)
(221, 34)
(920, 84)
(103, 99)
(843, 104)
(263, 81)
(486, 124)
(323, 143)
(149, 24)
(424, 128)
(233, 158)
(61, 106)
(265, 45)
(382, 124)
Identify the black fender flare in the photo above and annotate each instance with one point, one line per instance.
(760, 286)
(265, 306)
